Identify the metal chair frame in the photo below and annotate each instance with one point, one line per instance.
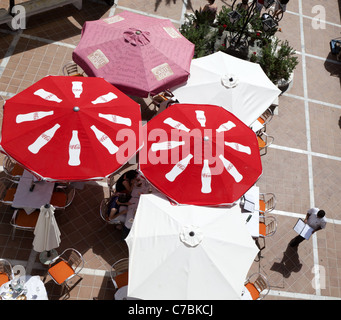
(71, 69)
(8, 165)
(69, 192)
(75, 260)
(6, 267)
(6, 185)
(269, 200)
(34, 215)
(261, 283)
(118, 268)
(266, 139)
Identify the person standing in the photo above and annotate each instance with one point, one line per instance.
(315, 219)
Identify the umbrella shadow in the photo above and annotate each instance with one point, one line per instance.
(289, 263)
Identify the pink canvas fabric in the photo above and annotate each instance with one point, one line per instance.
(138, 54)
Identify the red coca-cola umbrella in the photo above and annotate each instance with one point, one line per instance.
(71, 128)
(200, 154)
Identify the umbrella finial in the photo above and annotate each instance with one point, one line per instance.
(206, 138)
(47, 205)
(76, 109)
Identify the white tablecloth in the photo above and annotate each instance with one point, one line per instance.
(253, 224)
(34, 288)
(31, 200)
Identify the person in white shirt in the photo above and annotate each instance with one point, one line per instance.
(315, 218)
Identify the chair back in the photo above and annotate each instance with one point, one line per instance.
(112, 183)
(266, 117)
(264, 141)
(71, 69)
(12, 169)
(259, 282)
(267, 202)
(103, 210)
(7, 190)
(6, 271)
(119, 273)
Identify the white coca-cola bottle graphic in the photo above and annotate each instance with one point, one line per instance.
(104, 140)
(43, 139)
(206, 178)
(178, 168)
(47, 95)
(77, 88)
(74, 150)
(105, 98)
(201, 117)
(238, 147)
(116, 119)
(166, 145)
(226, 126)
(176, 124)
(231, 169)
(32, 116)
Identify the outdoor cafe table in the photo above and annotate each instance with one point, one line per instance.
(34, 289)
(31, 200)
(253, 224)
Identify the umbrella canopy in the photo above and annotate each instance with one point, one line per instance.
(71, 128)
(136, 53)
(200, 154)
(239, 86)
(187, 252)
(46, 232)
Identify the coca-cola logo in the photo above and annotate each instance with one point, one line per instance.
(103, 138)
(75, 146)
(46, 137)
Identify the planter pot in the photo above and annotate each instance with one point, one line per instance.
(284, 85)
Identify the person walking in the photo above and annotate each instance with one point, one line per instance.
(315, 219)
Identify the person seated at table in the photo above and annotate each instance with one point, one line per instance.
(126, 182)
(117, 209)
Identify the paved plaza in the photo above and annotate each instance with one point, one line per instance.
(302, 167)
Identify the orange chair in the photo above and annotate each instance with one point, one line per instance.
(62, 197)
(267, 202)
(65, 267)
(6, 271)
(258, 286)
(23, 221)
(119, 273)
(268, 227)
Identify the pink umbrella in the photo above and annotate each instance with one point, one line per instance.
(138, 54)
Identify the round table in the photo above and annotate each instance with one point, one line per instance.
(34, 289)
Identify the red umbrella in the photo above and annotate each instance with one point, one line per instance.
(71, 128)
(200, 154)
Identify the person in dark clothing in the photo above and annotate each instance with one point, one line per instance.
(126, 182)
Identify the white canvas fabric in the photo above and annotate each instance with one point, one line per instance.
(187, 252)
(46, 232)
(239, 86)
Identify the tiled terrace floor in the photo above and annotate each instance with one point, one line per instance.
(302, 167)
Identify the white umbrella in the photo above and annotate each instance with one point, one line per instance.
(239, 86)
(47, 234)
(187, 252)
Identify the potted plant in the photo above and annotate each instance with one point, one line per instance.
(278, 61)
(199, 32)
